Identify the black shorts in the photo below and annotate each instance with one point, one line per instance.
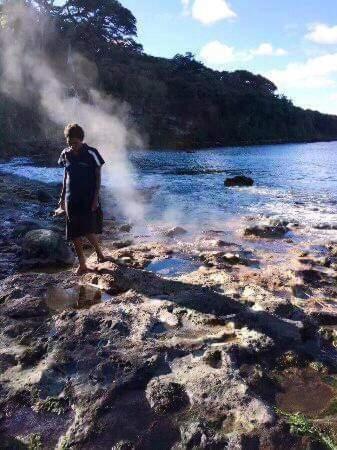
(81, 223)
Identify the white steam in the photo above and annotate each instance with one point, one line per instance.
(26, 69)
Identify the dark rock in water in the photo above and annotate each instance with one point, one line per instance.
(176, 231)
(326, 226)
(166, 397)
(125, 228)
(42, 247)
(239, 180)
(270, 230)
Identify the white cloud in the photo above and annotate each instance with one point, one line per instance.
(267, 49)
(186, 4)
(216, 54)
(314, 73)
(322, 34)
(208, 11)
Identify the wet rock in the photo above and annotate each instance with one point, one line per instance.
(223, 259)
(271, 230)
(263, 300)
(26, 307)
(288, 359)
(43, 247)
(239, 181)
(254, 342)
(175, 232)
(122, 243)
(166, 397)
(326, 226)
(324, 316)
(22, 228)
(6, 361)
(124, 445)
(125, 228)
(213, 358)
(310, 276)
(300, 291)
(32, 356)
(191, 435)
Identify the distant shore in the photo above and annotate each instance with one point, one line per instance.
(53, 148)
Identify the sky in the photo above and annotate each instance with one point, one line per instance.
(293, 42)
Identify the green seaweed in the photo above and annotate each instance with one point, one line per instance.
(301, 425)
(35, 442)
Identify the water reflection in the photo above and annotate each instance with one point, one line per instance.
(173, 267)
(79, 297)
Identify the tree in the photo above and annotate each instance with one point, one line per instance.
(98, 24)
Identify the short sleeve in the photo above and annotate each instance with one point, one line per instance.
(62, 159)
(99, 161)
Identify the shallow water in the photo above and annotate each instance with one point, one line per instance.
(173, 267)
(304, 391)
(80, 297)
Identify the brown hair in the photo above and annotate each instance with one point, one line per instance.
(72, 130)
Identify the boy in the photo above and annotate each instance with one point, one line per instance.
(80, 193)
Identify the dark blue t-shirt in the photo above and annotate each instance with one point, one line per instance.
(81, 174)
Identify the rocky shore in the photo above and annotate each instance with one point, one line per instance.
(175, 343)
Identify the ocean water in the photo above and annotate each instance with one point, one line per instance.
(295, 182)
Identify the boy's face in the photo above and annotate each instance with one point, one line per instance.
(74, 143)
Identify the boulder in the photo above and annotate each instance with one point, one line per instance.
(269, 230)
(176, 231)
(239, 180)
(22, 228)
(43, 247)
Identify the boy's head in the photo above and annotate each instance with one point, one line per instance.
(74, 135)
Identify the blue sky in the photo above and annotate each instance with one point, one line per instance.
(293, 42)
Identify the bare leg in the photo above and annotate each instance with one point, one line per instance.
(81, 258)
(92, 238)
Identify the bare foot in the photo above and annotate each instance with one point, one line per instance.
(103, 259)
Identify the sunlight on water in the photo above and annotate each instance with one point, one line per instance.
(293, 182)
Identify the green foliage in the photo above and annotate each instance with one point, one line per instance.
(53, 405)
(35, 442)
(302, 426)
(65, 443)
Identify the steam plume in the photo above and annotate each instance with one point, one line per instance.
(27, 70)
